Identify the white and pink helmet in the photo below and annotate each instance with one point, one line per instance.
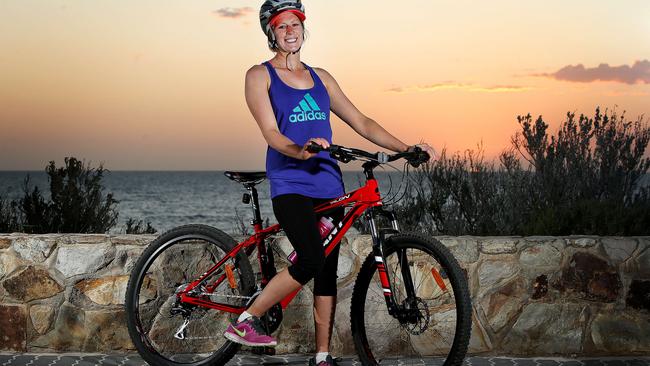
(272, 8)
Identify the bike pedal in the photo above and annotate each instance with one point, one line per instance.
(270, 351)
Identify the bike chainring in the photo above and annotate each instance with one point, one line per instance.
(272, 318)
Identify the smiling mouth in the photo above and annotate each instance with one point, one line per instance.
(291, 40)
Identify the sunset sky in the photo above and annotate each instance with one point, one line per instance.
(158, 85)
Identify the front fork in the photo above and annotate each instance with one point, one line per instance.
(378, 239)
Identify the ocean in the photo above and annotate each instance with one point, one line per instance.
(171, 198)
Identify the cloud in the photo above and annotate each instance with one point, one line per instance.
(637, 73)
(617, 93)
(233, 13)
(459, 86)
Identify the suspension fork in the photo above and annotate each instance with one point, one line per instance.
(380, 259)
(378, 239)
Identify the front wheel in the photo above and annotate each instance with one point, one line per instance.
(432, 320)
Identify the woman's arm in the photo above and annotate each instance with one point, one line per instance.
(363, 125)
(259, 103)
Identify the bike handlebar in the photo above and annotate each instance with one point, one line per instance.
(346, 154)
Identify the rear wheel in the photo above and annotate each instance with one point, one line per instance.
(166, 332)
(432, 322)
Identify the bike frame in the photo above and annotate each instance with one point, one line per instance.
(366, 199)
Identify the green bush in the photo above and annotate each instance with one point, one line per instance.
(583, 180)
(76, 204)
(139, 227)
(8, 217)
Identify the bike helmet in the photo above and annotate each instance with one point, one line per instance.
(271, 8)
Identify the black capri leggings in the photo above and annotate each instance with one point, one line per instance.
(295, 214)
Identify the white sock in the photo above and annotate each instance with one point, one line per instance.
(243, 316)
(321, 356)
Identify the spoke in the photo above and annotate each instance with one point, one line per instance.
(432, 332)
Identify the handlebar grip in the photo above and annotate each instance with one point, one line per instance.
(315, 148)
(419, 157)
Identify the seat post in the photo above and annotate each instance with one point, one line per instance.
(257, 217)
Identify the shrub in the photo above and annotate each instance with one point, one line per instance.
(8, 216)
(584, 180)
(139, 227)
(76, 204)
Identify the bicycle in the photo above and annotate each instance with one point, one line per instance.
(410, 298)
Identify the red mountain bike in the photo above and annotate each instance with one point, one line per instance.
(410, 299)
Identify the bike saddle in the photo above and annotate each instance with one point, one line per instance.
(246, 177)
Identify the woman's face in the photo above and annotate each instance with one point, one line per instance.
(288, 31)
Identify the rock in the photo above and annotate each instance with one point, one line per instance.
(297, 328)
(68, 333)
(619, 249)
(638, 297)
(125, 259)
(82, 259)
(433, 340)
(86, 239)
(361, 245)
(9, 262)
(128, 239)
(540, 287)
(590, 278)
(547, 329)
(13, 322)
(640, 266)
(501, 307)
(342, 321)
(34, 248)
(479, 340)
(106, 331)
(465, 250)
(104, 291)
(541, 257)
(498, 245)
(620, 334)
(348, 266)
(32, 283)
(494, 272)
(581, 242)
(42, 316)
(5, 243)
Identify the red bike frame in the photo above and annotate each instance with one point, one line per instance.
(359, 200)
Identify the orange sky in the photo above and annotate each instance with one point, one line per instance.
(153, 85)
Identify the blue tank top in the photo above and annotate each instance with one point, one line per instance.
(302, 114)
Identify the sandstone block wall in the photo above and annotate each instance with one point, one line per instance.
(533, 296)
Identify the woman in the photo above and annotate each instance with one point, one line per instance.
(291, 102)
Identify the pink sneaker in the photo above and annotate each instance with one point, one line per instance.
(250, 332)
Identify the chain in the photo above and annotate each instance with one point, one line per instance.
(219, 295)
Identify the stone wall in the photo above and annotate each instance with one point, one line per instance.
(534, 296)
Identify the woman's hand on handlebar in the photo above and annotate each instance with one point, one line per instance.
(307, 153)
(426, 148)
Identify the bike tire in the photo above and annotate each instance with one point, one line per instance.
(368, 307)
(148, 294)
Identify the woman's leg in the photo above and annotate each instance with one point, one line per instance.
(324, 310)
(295, 214)
(277, 289)
(325, 291)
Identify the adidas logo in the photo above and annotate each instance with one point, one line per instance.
(307, 110)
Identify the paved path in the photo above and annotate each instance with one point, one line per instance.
(69, 359)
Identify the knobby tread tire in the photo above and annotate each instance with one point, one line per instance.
(459, 284)
(226, 243)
